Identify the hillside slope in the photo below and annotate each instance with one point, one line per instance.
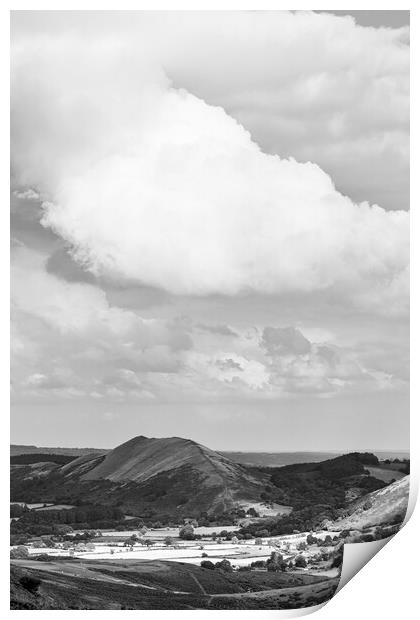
(142, 458)
(380, 507)
(166, 475)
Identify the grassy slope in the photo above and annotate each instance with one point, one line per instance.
(385, 474)
(156, 585)
(377, 508)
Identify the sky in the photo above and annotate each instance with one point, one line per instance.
(209, 226)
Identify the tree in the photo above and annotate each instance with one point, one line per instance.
(225, 566)
(19, 553)
(252, 512)
(207, 564)
(187, 532)
(300, 562)
(169, 541)
(272, 567)
(258, 564)
(275, 561)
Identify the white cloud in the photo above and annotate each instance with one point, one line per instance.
(28, 194)
(317, 87)
(67, 338)
(150, 183)
(229, 367)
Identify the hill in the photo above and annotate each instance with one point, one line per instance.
(172, 476)
(317, 492)
(167, 479)
(386, 506)
(131, 584)
(277, 459)
(334, 482)
(16, 449)
(141, 458)
(40, 457)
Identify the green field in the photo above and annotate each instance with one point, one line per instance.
(385, 473)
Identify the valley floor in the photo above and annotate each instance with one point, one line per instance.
(110, 547)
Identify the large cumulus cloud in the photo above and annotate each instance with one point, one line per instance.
(150, 183)
(314, 86)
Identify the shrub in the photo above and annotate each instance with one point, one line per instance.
(300, 562)
(367, 538)
(225, 566)
(187, 532)
(30, 583)
(258, 564)
(19, 553)
(207, 564)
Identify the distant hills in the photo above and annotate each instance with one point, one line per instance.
(257, 459)
(16, 449)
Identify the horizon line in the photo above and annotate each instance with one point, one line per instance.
(237, 450)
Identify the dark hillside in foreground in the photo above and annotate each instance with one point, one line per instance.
(158, 585)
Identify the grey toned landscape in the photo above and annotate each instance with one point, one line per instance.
(210, 330)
